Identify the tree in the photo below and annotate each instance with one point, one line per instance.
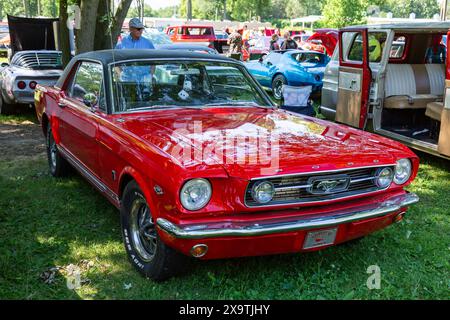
(422, 8)
(340, 13)
(64, 44)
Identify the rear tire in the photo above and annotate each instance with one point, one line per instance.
(5, 108)
(146, 251)
(59, 167)
(277, 85)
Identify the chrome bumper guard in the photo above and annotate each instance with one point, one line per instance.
(253, 228)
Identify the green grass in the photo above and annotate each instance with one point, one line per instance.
(47, 222)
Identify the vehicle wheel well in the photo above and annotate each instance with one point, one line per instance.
(278, 74)
(126, 178)
(45, 124)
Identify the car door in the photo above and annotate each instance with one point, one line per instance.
(354, 78)
(444, 135)
(78, 125)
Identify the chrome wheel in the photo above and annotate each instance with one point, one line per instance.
(142, 229)
(53, 153)
(277, 88)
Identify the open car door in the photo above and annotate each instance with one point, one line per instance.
(444, 135)
(354, 78)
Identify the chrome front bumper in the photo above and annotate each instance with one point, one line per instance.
(253, 228)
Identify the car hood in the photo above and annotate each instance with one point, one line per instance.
(253, 142)
(31, 33)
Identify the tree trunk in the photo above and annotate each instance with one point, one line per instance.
(224, 9)
(119, 17)
(108, 29)
(64, 32)
(26, 5)
(189, 10)
(102, 32)
(85, 35)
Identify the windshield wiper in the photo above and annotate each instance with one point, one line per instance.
(235, 103)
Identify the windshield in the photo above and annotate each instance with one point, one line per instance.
(151, 84)
(308, 57)
(158, 38)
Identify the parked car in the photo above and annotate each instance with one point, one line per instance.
(154, 131)
(32, 62)
(291, 67)
(157, 37)
(391, 87)
(197, 34)
(188, 47)
(327, 38)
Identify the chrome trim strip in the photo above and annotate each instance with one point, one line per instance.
(309, 185)
(306, 186)
(255, 228)
(88, 174)
(324, 171)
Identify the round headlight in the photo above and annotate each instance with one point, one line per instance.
(403, 171)
(195, 194)
(384, 178)
(263, 192)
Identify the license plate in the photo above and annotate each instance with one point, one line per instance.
(319, 238)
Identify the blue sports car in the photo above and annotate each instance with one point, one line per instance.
(291, 67)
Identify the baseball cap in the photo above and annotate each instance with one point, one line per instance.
(136, 23)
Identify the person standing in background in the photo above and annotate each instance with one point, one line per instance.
(288, 43)
(135, 40)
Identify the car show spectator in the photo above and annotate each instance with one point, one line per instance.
(288, 43)
(436, 52)
(235, 42)
(135, 40)
(274, 42)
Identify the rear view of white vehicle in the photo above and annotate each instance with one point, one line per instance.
(33, 61)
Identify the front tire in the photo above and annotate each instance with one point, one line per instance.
(277, 86)
(146, 251)
(59, 167)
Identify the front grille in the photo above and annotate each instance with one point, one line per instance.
(301, 188)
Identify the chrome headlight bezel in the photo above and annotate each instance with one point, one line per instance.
(403, 171)
(384, 178)
(186, 198)
(256, 190)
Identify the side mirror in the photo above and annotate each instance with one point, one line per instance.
(260, 60)
(90, 100)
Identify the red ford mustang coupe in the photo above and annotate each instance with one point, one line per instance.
(202, 164)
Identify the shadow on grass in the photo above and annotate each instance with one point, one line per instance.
(47, 222)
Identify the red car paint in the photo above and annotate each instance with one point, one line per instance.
(138, 146)
(328, 37)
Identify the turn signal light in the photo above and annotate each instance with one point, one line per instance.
(199, 250)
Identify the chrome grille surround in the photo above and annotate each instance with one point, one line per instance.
(298, 188)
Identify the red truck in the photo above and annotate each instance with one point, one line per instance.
(199, 35)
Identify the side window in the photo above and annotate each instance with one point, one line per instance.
(398, 47)
(171, 31)
(355, 52)
(88, 82)
(377, 40)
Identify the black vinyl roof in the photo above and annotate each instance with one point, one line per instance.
(117, 55)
